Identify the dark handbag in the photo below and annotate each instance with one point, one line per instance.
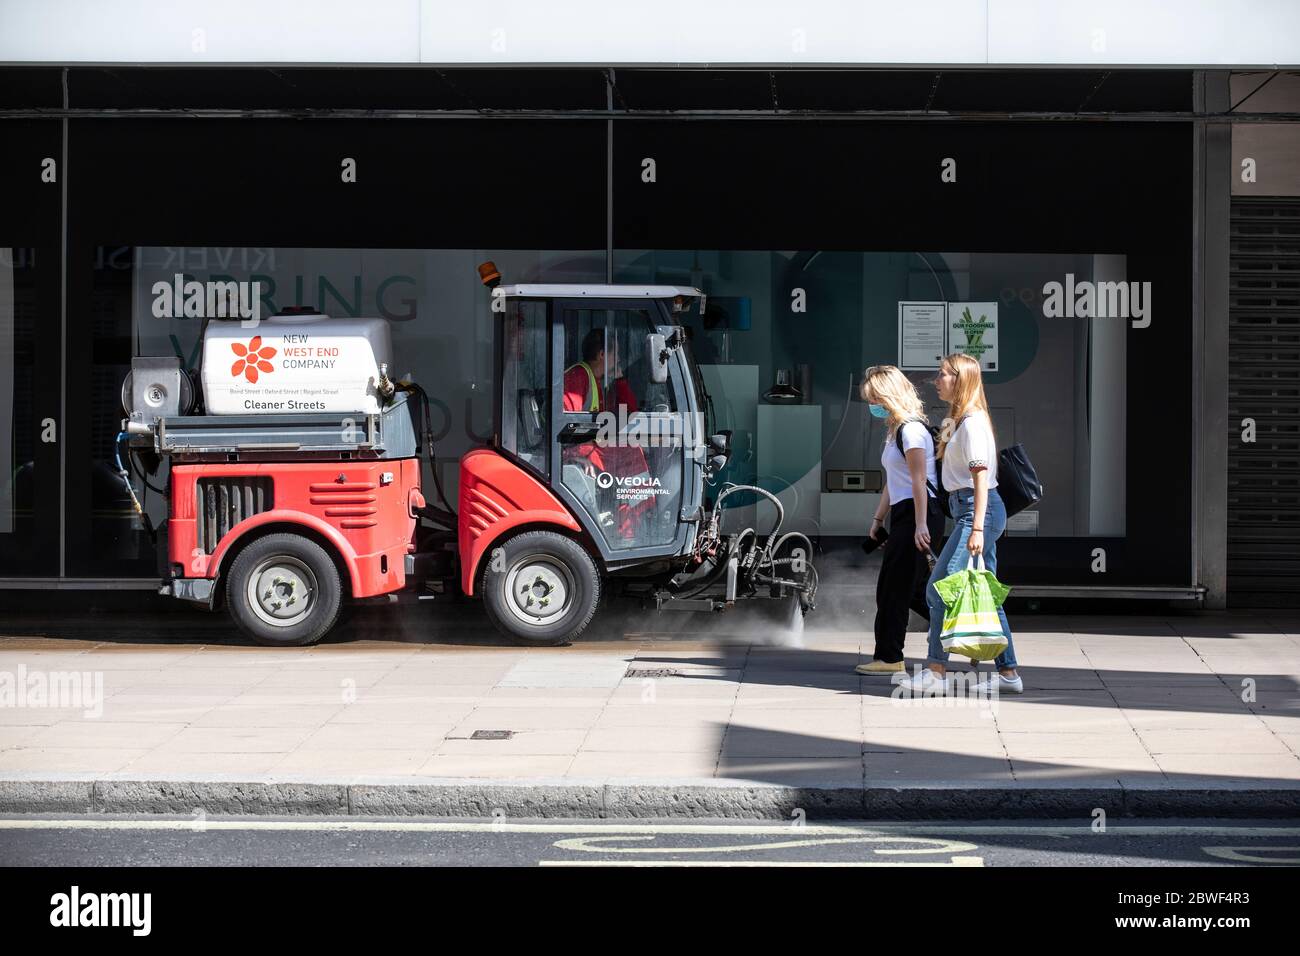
(936, 492)
(1018, 483)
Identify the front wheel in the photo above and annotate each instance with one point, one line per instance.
(540, 587)
(284, 591)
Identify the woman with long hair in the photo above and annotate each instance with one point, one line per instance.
(915, 518)
(968, 453)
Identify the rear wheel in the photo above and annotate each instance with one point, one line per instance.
(284, 590)
(540, 587)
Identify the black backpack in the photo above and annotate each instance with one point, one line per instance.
(1018, 484)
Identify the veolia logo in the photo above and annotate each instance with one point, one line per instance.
(606, 480)
(252, 358)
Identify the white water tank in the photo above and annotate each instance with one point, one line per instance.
(305, 362)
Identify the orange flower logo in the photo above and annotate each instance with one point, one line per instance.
(252, 357)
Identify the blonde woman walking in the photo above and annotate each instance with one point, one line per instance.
(970, 476)
(915, 519)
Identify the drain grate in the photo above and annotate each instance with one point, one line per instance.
(652, 672)
(491, 735)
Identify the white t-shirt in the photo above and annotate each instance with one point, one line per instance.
(898, 477)
(971, 446)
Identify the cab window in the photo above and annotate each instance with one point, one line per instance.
(525, 399)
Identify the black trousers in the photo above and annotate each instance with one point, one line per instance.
(903, 576)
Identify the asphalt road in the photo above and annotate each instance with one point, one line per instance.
(125, 841)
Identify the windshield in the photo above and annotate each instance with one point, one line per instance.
(703, 403)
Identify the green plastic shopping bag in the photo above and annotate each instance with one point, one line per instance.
(971, 627)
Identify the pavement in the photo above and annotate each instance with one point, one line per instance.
(421, 711)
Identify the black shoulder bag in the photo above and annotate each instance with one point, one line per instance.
(1018, 483)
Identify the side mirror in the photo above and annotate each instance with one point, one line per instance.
(657, 356)
(720, 446)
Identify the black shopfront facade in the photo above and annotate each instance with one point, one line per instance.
(764, 187)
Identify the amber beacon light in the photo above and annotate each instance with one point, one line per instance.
(489, 275)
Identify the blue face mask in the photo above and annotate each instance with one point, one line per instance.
(879, 411)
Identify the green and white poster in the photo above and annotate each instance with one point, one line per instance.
(973, 331)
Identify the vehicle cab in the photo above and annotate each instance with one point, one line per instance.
(600, 402)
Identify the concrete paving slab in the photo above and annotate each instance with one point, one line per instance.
(622, 765)
(498, 766)
(259, 715)
(650, 739)
(1190, 769)
(386, 762)
(748, 742)
(108, 734)
(528, 718)
(1126, 769)
(368, 738)
(822, 772)
(1034, 745)
(57, 760)
(236, 740)
(527, 742)
(663, 713)
(1237, 743)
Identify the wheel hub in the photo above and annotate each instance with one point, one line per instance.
(281, 591)
(539, 590)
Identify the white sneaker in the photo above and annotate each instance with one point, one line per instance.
(925, 683)
(1004, 684)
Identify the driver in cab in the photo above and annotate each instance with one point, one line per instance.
(587, 386)
(584, 382)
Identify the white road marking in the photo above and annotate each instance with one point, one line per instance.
(588, 845)
(1249, 854)
(1083, 828)
(956, 861)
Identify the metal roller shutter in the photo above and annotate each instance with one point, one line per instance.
(1264, 385)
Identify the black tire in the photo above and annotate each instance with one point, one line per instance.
(551, 560)
(284, 568)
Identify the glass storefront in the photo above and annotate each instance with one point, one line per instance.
(1055, 384)
(31, 432)
(823, 248)
(17, 371)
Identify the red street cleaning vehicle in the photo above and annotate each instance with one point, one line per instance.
(294, 479)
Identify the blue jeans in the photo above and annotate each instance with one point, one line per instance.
(953, 559)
